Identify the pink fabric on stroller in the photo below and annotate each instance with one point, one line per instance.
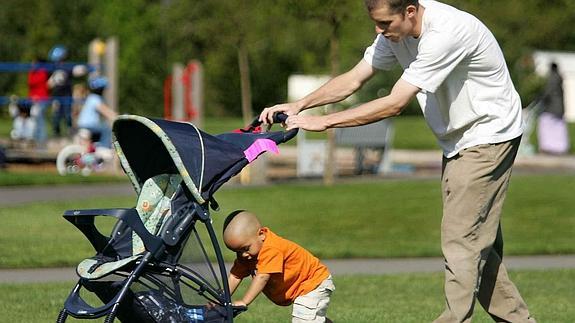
(259, 146)
(552, 134)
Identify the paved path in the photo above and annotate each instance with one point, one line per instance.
(337, 267)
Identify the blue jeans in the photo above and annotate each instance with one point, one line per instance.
(105, 133)
(64, 111)
(40, 130)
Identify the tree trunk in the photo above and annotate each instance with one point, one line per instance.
(330, 162)
(246, 88)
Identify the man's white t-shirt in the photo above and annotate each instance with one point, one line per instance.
(467, 96)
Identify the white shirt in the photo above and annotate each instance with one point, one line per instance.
(467, 96)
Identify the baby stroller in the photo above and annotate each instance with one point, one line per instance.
(162, 261)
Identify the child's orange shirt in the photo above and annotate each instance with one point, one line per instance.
(293, 270)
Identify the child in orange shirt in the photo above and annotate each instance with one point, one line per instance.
(284, 271)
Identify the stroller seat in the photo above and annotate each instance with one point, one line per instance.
(154, 208)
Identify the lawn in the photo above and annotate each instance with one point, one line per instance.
(402, 298)
(391, 218)
(51, 177)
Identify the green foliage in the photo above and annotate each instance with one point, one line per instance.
(281, 38)
(142, 59)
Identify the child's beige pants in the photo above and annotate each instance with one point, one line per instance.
(474, 184)
(312, 307)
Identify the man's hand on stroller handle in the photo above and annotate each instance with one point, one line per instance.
(268, 115)
(279, 117)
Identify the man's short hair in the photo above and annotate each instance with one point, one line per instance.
(395, 6)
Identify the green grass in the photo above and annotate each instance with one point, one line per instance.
(14, 178)
(5, 126)
(402, 298)
(375, 219)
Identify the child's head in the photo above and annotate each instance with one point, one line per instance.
(243, 234)
(24, 108)
(97, 84)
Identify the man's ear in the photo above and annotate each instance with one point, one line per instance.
(410, 11)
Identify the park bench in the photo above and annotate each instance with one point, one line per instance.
(377, 136)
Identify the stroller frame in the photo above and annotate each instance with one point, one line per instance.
(84, 221)
(189, 205)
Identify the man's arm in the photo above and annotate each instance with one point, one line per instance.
(369, 112)
(258, 283)
(333, 91)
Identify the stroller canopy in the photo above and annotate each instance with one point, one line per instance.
(149, 147)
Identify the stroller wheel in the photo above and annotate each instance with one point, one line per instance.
(62, 316)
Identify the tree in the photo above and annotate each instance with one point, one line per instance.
(142, 64)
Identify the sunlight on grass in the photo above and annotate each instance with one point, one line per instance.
(402, 298)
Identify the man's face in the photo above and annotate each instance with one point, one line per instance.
(393, 26)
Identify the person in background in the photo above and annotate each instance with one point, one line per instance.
(552, 132)
(39, 94)
(96, 116)
(79, 94)
(60, 84)
(23, 124)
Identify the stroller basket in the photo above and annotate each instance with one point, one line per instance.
(162, 261)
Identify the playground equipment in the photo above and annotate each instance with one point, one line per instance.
(183, 93)
(102, 60)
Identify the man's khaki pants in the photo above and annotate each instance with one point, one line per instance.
(474, 183)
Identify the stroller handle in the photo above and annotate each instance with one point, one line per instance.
(279, 117)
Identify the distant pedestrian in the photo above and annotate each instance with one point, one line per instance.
(39, 95)
(60, 83)
(552, 132)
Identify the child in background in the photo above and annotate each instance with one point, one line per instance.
(96, 116)
(24, 125)
(284, 271)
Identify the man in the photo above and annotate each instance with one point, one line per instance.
(39, 94)
(60, 83)
(455, 68)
